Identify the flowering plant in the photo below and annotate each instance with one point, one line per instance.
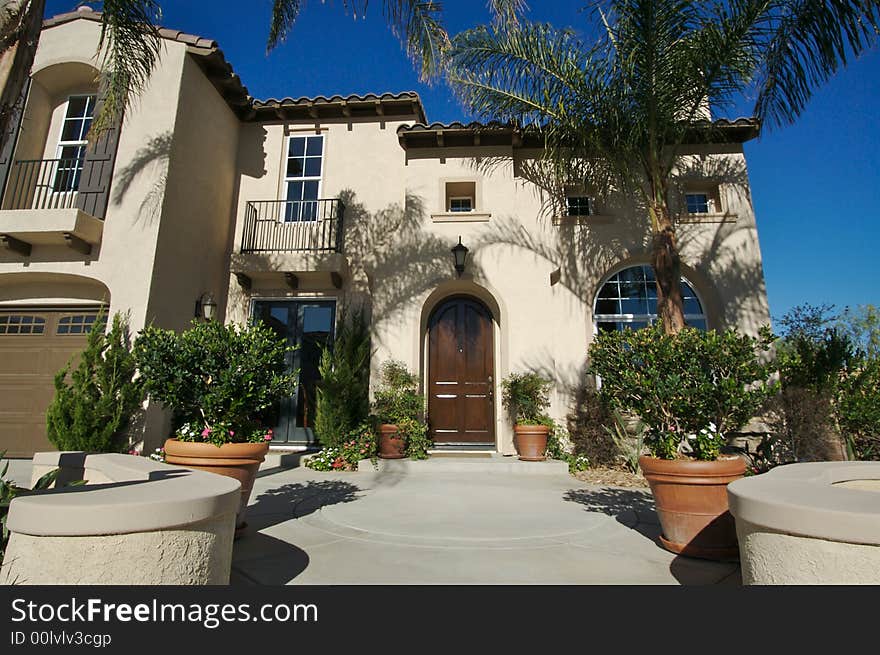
(220, 433)
(158, 455)
(358, 444)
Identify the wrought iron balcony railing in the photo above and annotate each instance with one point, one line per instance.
(44, 184)
(293, 226)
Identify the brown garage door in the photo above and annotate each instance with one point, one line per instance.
(34, 345)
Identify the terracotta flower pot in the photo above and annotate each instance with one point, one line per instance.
(691, 501)
(391, 444)
(531, 442)
(235, 460)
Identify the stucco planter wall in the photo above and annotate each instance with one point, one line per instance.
(135, 522)
(811, 523)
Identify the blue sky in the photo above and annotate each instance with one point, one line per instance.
(815, 185)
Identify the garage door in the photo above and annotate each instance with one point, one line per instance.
(34, 346)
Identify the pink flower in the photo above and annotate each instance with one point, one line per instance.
(231, 433)
(206, 432)
(268, 437)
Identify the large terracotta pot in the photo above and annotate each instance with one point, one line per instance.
(691, 501)
(391, 444)
(531, 442)
(234, 460)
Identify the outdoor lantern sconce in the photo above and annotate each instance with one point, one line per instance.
(460, 253)
(206, 307)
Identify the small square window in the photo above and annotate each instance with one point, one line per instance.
(460, 197)
(698, 203)
(461, 204)
(580, 206)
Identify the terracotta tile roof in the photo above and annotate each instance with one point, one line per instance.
(393, 106)
(494, 133)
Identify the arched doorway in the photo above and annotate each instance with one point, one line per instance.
(461, 373)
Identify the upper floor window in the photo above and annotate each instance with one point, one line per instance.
(579, 206)
(629, 300)
(461, 196)
(302, 178)
(72, 142)
(698, 203)
(463, 204)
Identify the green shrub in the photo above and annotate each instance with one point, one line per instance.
(397, 401)
(343, 393)
(689, 389)
(526, 396)
(858, 408)
(830, 372)
(218, 379)
(95, 402)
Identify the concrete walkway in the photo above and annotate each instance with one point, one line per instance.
(399, 526)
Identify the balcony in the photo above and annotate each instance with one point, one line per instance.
(45, 203)
(293, 226)
(289, 243)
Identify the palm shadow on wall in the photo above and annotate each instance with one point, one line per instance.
(584, 250)
(151, 159)
(394, 260)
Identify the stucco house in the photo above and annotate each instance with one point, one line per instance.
(298, 210)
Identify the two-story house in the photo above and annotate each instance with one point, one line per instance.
(297, 211)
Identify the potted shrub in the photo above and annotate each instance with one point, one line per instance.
(689, 390)
(217, 380)
(526, 398)
(399, 409)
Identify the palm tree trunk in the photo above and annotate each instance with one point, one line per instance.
(20, 33)
(667, 268)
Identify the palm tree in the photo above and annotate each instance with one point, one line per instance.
(617, 114)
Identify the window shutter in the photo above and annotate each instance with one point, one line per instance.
(97, 172)
(11, 136)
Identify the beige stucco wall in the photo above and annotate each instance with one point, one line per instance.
(538, 278)
(196, 213)
(124, 260)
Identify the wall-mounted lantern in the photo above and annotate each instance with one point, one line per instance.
(206, 307)
(460, 253)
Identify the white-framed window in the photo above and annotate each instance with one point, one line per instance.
(302, 177)
(72, 143)
(460, 196)
(628, 299)
(579, 206)
(461, 204)
(699, 202)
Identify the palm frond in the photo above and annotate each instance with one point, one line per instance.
(284, 15)
(507, 12)
(131, 47)
(419, 26)
(810, 41)
(527, 75)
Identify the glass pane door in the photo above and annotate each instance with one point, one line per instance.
(308, 326)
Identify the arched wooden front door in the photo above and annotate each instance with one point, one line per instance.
(461, 404)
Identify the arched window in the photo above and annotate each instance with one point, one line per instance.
(629, 300)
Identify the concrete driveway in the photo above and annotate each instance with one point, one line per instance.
(398, 526)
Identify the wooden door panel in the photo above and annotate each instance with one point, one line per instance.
(460, 373)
